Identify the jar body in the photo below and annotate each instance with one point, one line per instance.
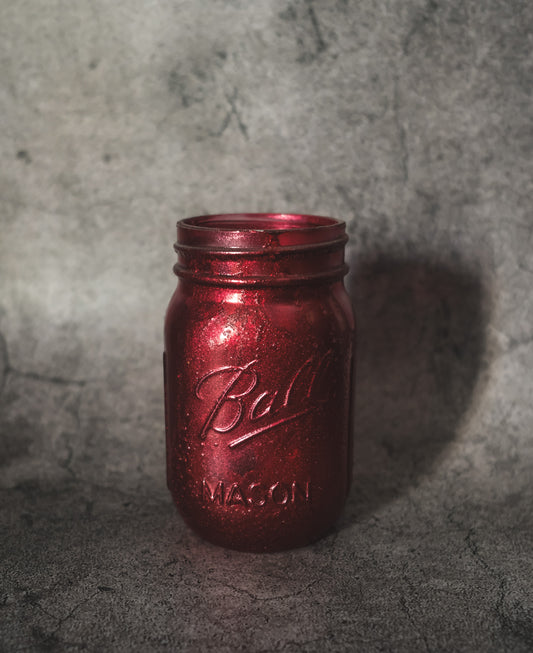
(258, 393)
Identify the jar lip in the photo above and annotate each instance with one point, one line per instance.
(249, 231)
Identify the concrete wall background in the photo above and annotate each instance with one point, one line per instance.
(412, 120)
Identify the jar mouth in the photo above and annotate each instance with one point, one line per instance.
(252, 231)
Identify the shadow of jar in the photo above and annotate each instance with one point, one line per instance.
(420, 330)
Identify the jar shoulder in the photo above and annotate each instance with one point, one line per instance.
(301, 309)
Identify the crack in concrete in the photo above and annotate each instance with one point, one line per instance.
(34, 376)
(517, 627)
(309, 51)
(402, 134)
(74, 609)
(422, 18)
(56, 380)
(510, 626)
(5, 355)
(514, 343)
(74, 409)
(233, 111)
(34, 601)
(254, 597)
(473, 547)
(48, 639)
(407, 611)
(319, 39)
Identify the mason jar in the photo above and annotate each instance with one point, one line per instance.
(258, 361)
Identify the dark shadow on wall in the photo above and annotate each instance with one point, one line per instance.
(421, 327)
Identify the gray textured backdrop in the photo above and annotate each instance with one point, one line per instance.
(410, 119)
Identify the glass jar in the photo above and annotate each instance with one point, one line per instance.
(258, 360)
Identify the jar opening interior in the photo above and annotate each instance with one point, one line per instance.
(260, 221)
(255, 231)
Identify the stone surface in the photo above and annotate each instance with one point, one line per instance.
(412, 120)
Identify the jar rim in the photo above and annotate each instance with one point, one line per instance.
(250, 231)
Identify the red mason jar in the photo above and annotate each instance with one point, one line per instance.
(258, 359)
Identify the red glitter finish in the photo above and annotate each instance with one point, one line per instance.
(258, 351)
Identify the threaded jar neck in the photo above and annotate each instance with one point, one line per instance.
(266, 249)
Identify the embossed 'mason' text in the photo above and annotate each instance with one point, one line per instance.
(255, 494)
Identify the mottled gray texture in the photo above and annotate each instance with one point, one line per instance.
(411, 119)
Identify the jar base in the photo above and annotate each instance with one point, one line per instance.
(255, 543)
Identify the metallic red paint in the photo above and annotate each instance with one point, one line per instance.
(258, 355)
